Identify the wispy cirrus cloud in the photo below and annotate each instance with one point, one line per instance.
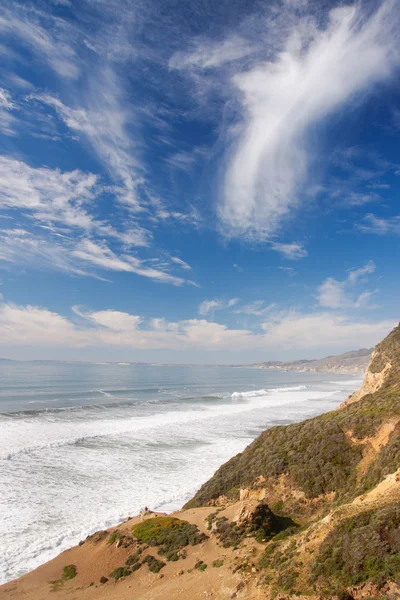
(100, 254)
(290, 251)
(256, 308)
(68, 236)
(47, 37)
(280, 101)
(210, 306)
(207, 54)
(380, 225)
(7, 119)
(102, 120)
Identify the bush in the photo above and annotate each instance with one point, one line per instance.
(154, 564)
(169, 533)
(69, 572)
(217, 563)
(200, 565)
(120, 572)
(133, 559)
(362, 548)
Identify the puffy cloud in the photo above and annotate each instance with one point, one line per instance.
(39, 327)
(322, 329)
(340, 294)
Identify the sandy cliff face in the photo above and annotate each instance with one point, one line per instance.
(373, 381)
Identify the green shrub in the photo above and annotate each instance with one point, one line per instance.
(69, 572)
(154, 564)
(120, 572)
(169, 533)
(362, 548)
(133, 559)
(114, 536)
(217, 563)
(200, 565)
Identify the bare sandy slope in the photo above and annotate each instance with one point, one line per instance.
(94, 560)
(180, 580)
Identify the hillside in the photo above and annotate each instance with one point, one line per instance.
(310, 510)
(355, 361)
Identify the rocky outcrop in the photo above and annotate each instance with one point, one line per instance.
(373, 380)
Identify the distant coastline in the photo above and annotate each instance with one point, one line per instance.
(353, 362)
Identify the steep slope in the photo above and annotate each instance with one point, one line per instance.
(310, 510)
(322, 458)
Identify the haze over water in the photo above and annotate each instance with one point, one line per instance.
(83, 446)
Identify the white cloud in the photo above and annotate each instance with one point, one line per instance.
(112, 319)
(180, 262)
(51, 195)
(207, 55)
(282, 100)
(340, 294)
(103, 122)
(357, 274)
(209, 306)
(256, 308)
(302, 331)
(292, 251)
(39, 327)
(380, 225)
(101, 255)
(7, 119)
(47, 37)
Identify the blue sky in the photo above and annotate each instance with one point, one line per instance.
(198, 182)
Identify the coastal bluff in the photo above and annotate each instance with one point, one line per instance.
(308, 510)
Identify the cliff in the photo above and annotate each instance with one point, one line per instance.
(310, 510)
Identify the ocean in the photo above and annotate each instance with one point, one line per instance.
(83, 446)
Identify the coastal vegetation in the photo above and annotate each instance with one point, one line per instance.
(170, 534)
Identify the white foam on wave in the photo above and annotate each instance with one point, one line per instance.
(52, 433)
(356, 381)
(257, 393)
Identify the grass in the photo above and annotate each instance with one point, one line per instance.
(69, 572)
(217, 563)
(171, 535)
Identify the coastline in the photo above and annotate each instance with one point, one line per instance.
(175, 504)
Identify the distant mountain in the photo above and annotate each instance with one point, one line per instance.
(355, 361)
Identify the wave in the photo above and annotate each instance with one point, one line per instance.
(257, 393)
(355, 381)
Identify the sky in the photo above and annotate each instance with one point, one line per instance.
(198, 182)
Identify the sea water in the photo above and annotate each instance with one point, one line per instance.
(83, 446)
